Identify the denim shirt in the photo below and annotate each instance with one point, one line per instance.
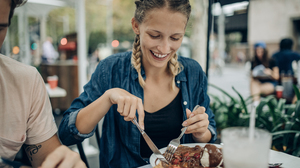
(120, 140)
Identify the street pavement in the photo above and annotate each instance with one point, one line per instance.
(231, 75)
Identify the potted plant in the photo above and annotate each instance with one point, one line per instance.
(280, 119)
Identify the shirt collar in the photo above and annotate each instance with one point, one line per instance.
(134, 75)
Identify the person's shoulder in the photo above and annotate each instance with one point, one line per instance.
(274, 55)
(117, 58)
(16, 68)
(188, 61)
(190, 64)
(296, 54)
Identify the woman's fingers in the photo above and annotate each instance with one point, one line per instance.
(191, 116)
(132, 110)
(197, 122)
(199, 126)
(121, 103)
(128, 104)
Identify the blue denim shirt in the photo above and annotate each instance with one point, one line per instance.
(120, 140)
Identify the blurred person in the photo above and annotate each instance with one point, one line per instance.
(49, 53)
(285, 56)
(26, 114)
(265, 73)
(152, 82)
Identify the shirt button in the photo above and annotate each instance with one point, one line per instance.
(178, 82)
(185, 103)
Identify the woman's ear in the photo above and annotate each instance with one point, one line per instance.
(135, 26)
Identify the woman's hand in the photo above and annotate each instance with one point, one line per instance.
(268, 71)
(127, 105)
(198, 124)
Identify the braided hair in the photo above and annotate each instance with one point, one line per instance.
(142, 8)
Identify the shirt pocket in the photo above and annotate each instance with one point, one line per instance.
(9, 148)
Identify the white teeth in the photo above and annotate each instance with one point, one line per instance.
(159, 55)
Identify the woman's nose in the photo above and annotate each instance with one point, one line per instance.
(164, 46)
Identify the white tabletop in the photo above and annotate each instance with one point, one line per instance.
(57, 92)
(289, 161)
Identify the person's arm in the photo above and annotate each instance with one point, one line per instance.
(51, 154)
(92, 105)
(127, 103)
(273, 73)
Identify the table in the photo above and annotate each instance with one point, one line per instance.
(289, 161)
(57, 92)
(67, 72)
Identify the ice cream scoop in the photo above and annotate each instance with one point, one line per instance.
(211, 156)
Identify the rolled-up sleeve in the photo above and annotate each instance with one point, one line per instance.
(68, 133)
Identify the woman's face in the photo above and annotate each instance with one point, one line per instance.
(259, 52)
(161, 34)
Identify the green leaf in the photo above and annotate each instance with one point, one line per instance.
(272, 108)
(242, 100)
(296, 152)
(286, 138)
(285, 132)
(297, 92)
(290, 108)
(249, 99)
(280, 105)
(280, 125)
(297, 109)
(224, 92)
(259, 108)
(296, 141)
(264, 124)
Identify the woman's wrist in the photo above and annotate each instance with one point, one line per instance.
(202, 137)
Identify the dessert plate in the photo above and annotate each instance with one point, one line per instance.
(153, 158)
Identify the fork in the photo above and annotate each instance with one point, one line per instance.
(173, 145)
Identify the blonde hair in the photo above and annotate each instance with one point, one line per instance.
(136, 59)
(174, 66)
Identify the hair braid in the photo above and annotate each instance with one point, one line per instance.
(174, 67)
(136, 59)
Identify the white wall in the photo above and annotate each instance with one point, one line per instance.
(271, 20)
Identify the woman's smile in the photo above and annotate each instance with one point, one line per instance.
(158, 56)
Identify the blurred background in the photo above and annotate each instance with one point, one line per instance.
(68, 38)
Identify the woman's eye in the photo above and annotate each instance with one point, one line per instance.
(174, 39)
(154, 36)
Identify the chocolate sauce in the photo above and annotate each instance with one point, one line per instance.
(215, 155)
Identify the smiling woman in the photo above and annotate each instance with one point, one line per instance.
(152, 82)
